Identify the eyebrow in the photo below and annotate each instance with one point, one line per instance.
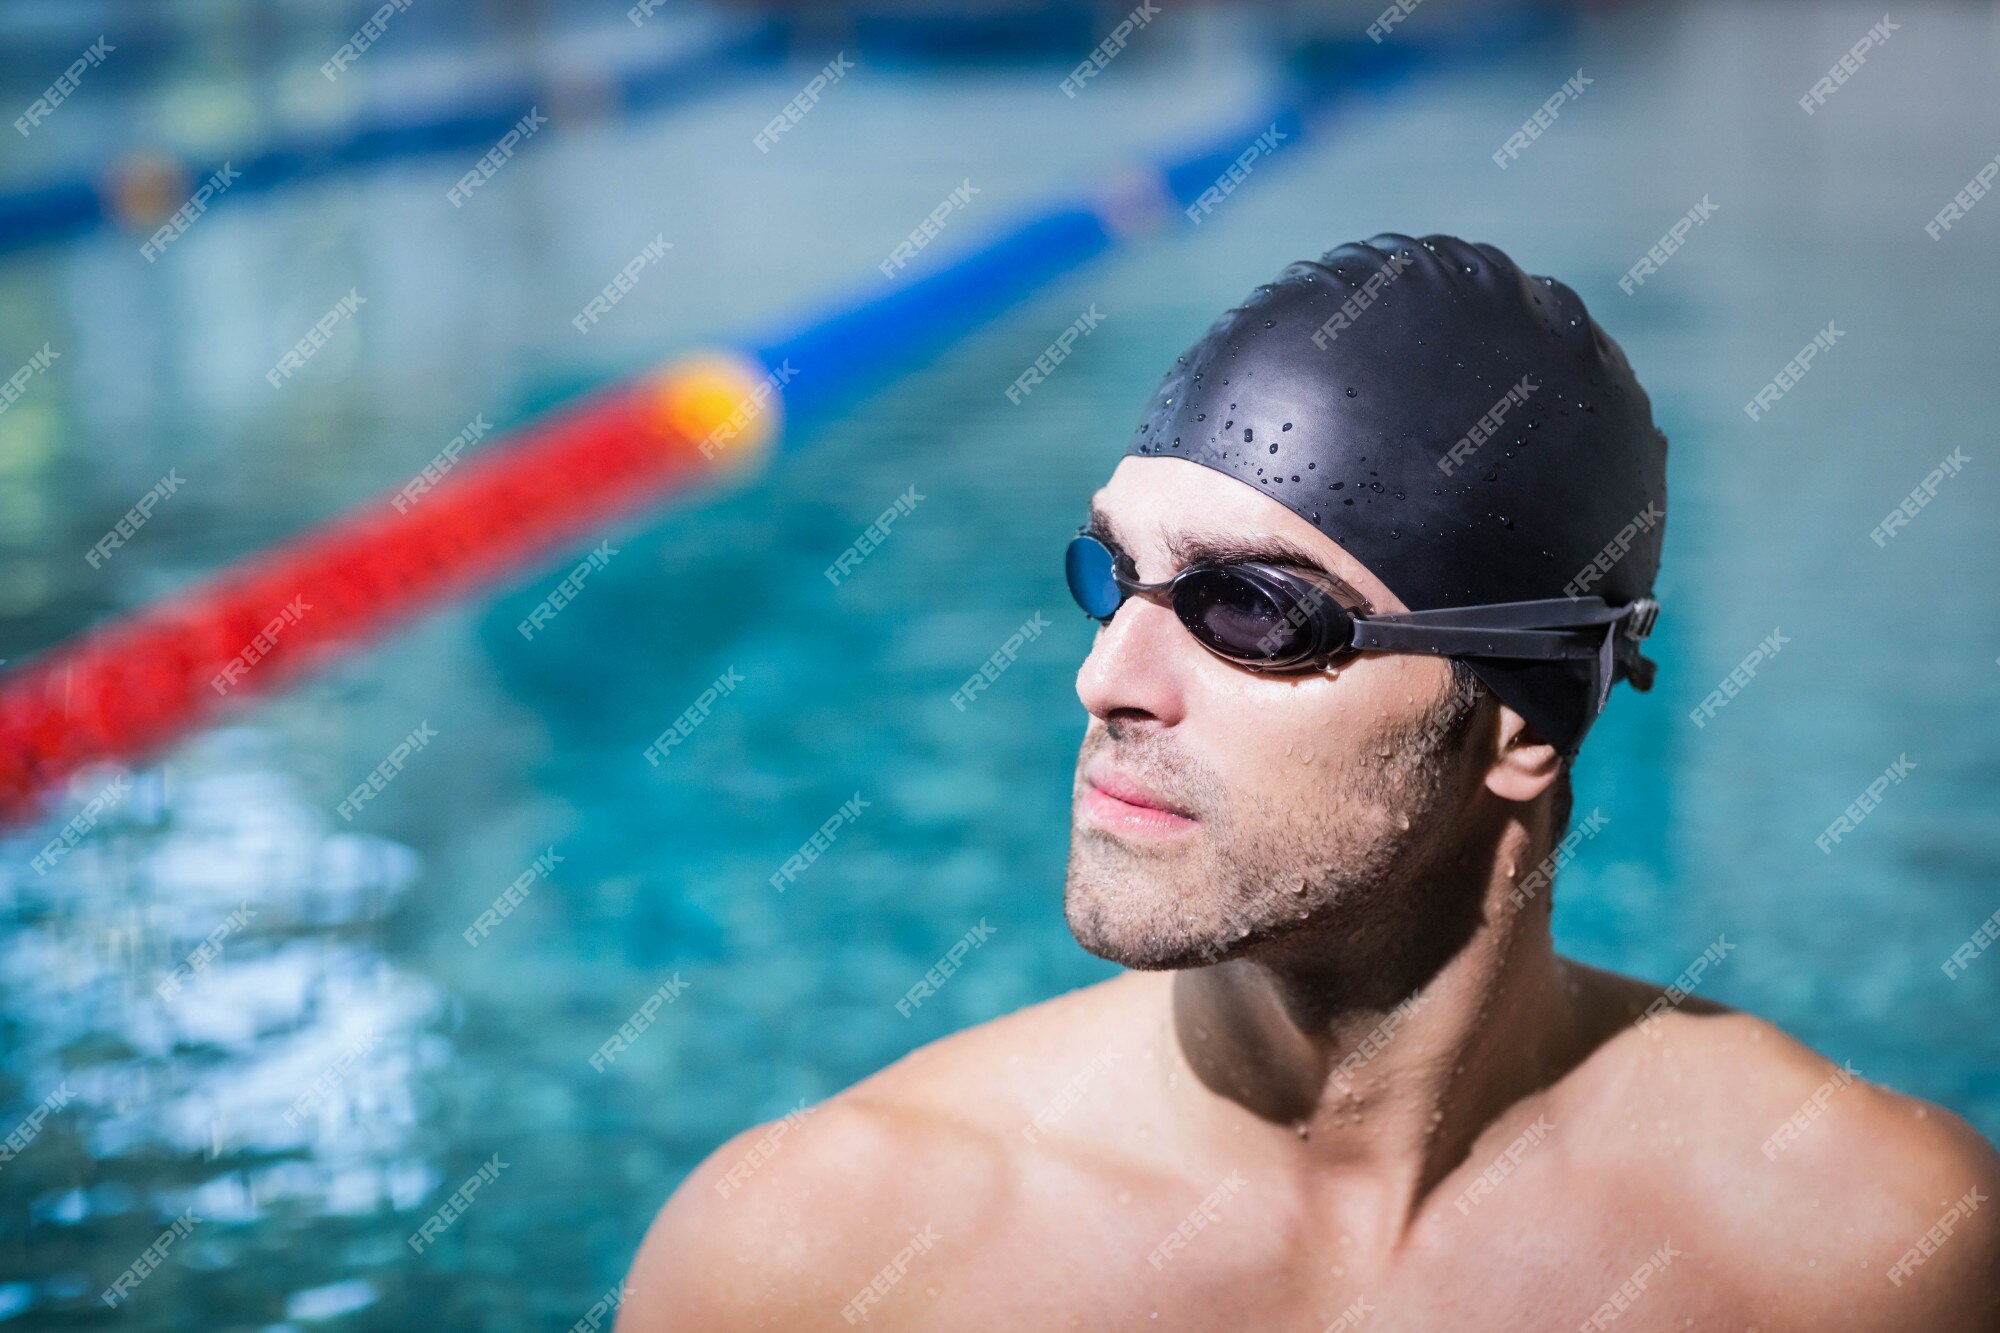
(1193, 548)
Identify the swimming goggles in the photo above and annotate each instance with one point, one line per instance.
(1286, 619)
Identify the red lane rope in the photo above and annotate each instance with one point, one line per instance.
(134, 683)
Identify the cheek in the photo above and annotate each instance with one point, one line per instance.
(1273, 737)
(1289, 737)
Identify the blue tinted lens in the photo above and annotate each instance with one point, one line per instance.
(1089, 564)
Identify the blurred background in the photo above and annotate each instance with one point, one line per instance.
(227, 995)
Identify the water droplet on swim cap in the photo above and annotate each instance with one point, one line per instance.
(1431, 335)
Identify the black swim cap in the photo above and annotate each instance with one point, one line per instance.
(1462, 428)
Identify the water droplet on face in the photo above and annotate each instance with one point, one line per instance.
(1270, 323)
(1274, 446)
(1351, 393)
(1339, 485)
(1201, 416)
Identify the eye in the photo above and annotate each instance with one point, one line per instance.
(1239, 617)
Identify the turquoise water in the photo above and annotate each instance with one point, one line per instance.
(356, 957)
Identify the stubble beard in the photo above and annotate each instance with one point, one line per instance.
(1340, 856)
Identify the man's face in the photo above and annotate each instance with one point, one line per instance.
(1217, 808)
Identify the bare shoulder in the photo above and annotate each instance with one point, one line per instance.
(1851, 1199)
(792, 1223)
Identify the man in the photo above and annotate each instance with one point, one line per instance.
(1350, 1084)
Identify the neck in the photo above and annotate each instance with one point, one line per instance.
(1381, 1056)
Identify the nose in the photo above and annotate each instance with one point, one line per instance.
(1137, 666)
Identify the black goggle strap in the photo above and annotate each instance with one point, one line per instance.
(1385, 634)
(1551, 629)
(1548, 613)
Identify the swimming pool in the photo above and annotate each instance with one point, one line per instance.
(348, 1057)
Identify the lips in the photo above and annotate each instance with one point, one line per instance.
(1119, 803)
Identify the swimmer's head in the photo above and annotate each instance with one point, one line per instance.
(1434, 428)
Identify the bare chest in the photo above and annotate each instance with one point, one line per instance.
(1525, 1255)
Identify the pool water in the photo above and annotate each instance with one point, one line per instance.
(348, 1058)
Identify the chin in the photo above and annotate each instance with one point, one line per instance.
(1115, 908)
(1149, 912)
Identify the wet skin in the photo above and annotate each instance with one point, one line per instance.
(1359, 1091)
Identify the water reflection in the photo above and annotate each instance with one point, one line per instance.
(197, 1003)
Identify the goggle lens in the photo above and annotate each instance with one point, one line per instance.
(1232, 611)
(1093, 580)
(1236, 617)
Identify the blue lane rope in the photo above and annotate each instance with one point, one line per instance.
(73, 205)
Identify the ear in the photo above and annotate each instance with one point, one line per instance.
(1524, 765)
